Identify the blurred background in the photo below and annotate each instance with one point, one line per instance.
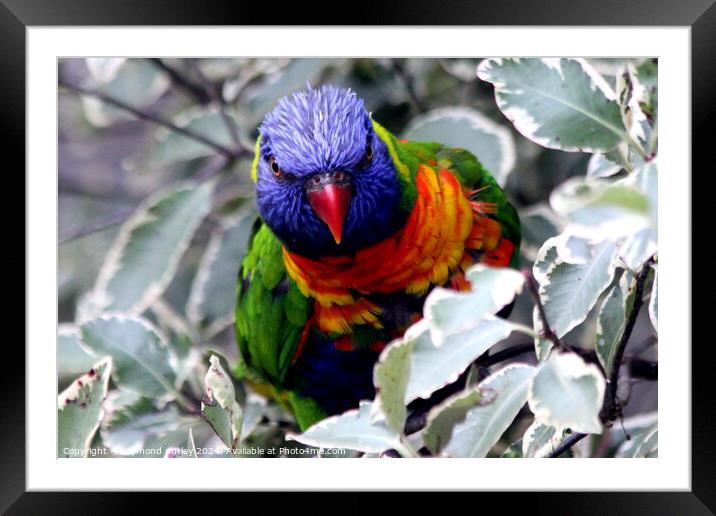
(120, 144)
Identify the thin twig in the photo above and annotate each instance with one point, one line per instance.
(113, 219)
(182, 82)
(547, 331)
(144, 115)
(612, 408)
(566, 444)
(218, 99)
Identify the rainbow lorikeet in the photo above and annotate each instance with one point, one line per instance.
(355, 228)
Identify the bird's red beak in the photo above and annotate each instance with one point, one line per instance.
(329, 195)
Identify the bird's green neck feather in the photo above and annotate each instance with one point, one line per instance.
(406, 167)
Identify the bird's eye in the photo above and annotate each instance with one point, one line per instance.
(368, 156)
(275, 168)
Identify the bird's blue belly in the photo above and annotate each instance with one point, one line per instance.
(336, 380)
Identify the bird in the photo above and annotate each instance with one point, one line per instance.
(355, 227)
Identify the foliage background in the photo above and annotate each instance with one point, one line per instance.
(111, 160)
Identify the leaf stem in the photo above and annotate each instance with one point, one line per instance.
(406, 450)
(525, 329)
(636, 146)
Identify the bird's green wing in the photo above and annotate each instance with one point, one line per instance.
(271, 312)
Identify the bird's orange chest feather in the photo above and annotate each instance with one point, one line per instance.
(432, 248)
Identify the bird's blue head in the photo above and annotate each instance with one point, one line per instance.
(326, 183)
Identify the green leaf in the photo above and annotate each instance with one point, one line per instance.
(618, 210)
(219, 69)
(621, 156)
(443, 417)
(134, 425)
(145, 255)
(611, 320)
(646, 74)
(649, 447)
(219, 406)
(569, 289)
(609, 67)
(558, 103)
(653, 302)
(600, 166)
(568, 393)
(539, 223)
(635, 103)
(432, 367)
(638, 247)
(173, 147)
(547, 256)
(254, 409)
(623, 211)
(354, 430)
(542, 346)
(72, 359)
(212, 299)
(141, 356)
(188, 359)
(450, 313)
(136, 82)
(390, 377)
(577, 194)
(540, 440)
(80, 410)
(484, 425)
(104, 69)
(469, 129)
(645, 178)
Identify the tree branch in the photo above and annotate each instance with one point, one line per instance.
(643, 369)
(218, 99)
(181, 81)
(566, 444)
(144, 115)
(612, 407)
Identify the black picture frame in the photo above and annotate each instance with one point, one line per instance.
(700, 15)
